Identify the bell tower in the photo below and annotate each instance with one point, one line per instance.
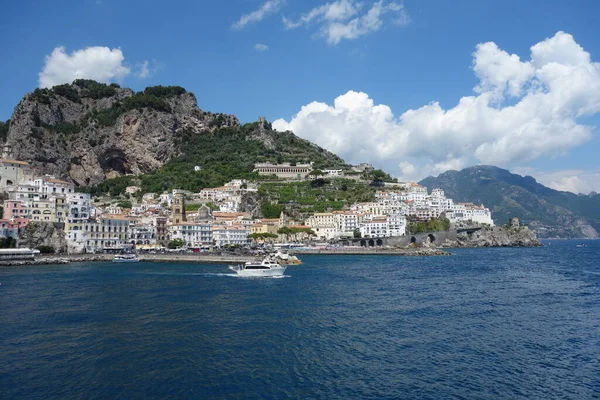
(179, 208)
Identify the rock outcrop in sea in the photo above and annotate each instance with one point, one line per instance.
(497, 236)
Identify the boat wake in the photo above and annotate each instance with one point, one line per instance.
(217, 274)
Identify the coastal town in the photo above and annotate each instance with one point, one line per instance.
(213, 218)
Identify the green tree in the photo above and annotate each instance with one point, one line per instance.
(124, 204)
(175, 243)
(434, 224)
(4, 126)
(46, 249)
(271, 210)
(356, 233)
(7, 243)
(265, 236)
(285, 231)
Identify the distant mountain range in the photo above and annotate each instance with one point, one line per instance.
(551, 213)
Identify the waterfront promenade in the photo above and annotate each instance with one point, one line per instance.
(167, 257)
(208, 258)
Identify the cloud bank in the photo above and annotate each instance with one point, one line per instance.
(98, 63)
(520, 111)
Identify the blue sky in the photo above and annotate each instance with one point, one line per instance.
(412, 54)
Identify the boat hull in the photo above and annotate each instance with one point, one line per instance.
(261, 272)
(126, 261)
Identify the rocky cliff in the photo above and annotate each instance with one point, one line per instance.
(89, 132)
(37, 234)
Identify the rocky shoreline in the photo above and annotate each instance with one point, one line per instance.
(497, 236)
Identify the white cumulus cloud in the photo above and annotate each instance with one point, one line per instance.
(261, 47)
(520, 111)
(267, 8)
(98, 63)
(342, 19)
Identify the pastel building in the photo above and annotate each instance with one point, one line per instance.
(9, 228)
(16, 211)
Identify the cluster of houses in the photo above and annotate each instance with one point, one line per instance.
(388, 214)
(216, 220)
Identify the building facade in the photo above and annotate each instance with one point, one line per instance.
(285, 170)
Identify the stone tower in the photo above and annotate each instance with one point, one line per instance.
(178, 209)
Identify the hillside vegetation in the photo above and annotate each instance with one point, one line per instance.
(225, 154)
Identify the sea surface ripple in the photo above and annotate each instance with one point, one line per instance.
(482, 324)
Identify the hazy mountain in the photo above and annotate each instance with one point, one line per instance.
(551, 213)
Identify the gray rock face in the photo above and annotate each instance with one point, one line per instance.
(37, 234)
(251, 203)
(66, 138)
(498, 236)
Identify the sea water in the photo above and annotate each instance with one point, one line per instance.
(482, 324)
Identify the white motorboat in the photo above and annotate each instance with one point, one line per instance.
(266, 267)
(125, 258)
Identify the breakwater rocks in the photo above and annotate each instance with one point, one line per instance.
(38, 261)
(411, 251)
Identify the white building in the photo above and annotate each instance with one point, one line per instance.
(376, 227)
(193, 234)
(79, 206)
(396, 225)
(166, 198)
(224, 235)
(106, 234)
(132, 189)
(325, 225)
(141, 234)
(333, 173)
(469, 212)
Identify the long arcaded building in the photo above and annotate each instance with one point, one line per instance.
(285, 170)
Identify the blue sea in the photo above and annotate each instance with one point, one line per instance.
(498, 323)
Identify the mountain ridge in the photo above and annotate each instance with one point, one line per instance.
(551, 213)
(89, 132)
